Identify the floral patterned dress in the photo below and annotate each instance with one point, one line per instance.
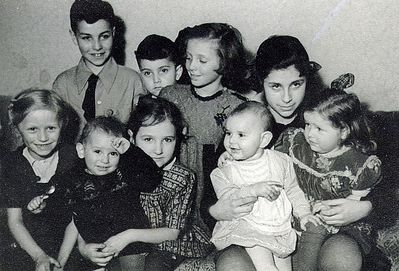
(324, 178)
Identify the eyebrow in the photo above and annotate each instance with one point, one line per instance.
(88, 34)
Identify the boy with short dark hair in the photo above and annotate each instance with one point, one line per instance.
(158, 62)
(97, 85)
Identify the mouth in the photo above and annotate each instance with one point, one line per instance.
(102, 168)
(43, 146)
(287, 108)
(98, 55)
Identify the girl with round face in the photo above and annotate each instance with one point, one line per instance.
(39, 118)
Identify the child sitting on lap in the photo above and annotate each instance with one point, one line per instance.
(266, 232)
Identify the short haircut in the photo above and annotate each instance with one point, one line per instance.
(257, 108)
(154, 47)
(107, 124)
(90, 11)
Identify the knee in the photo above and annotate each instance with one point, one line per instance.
(234, 258)
(340, 252)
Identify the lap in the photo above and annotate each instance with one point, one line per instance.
(234, 258)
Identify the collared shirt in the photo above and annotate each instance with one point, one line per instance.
(117, 90)
(45, 168)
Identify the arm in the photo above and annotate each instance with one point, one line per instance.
(228, 207)
(25, 240)
(70, 237)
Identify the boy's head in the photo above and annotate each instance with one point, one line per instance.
(92, 29)
(157, 60)
(96, 145)
(248, 131)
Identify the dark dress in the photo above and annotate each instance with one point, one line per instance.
(21, 186)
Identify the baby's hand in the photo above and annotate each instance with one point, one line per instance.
(121, 144)
(37, 204)
(115, 244)
(268, 191)
(224, 158)
(309, 218)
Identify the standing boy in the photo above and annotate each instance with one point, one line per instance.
(157, 59)
(97, 85)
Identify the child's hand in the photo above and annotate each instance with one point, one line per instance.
(224, 158)
(121, 144)
(115, 244)
(319, 207)
(309, 218)
(269, 191)
(44, 262)
(37, 204)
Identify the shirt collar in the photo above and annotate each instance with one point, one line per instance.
(170, 165)
(106, 76)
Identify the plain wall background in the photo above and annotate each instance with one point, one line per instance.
(357, 36)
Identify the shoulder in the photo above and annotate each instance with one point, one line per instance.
(175, 91)
(66, 75)
(179, 176)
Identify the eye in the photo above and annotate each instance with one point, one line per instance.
(228, 133)
(297, 84)
(32, 129)
(203, 61)
(164, 70)
(97, 151)
(85, 37)
(105, 36)
(241, 135)
(147, 139)
(275, 86)
(51, 128)
(169, 139)
(146, 73)
(114, 154)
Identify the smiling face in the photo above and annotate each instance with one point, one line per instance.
(40, 131)
(159, 73)
(321, 135)
(284, 92)
(100, 156)
(245, 137)
(202, 62)
(94, 42)
(158, 141)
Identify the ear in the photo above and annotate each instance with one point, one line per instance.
(80, 150)
(179, 71)
(131, 138)
(73, 37)
(344, 133)
(265, 139)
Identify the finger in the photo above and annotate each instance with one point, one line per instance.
(55, 262)
(245, 201)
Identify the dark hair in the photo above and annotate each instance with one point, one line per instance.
(260, 109)
(233, 63)
(152, 110)
(154, 47)
(38, 99)
(90, 11)
(107, 124)
(345, 111)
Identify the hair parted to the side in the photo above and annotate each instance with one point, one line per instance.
(257, 108)
(344, 110)
(154, 47)
(106, 124)
(32, 99)
(233, 63)
(91, 11)
(152, 110)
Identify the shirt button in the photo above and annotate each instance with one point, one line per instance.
(99, 102)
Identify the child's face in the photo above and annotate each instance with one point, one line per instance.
(159, 73)
(94, 42)
(245, 137)
(100, 156)
(40, 131)
(202, 62)
(284, 92)
(157, 141)
(321, 135)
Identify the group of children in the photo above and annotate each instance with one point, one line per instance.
(140, 187)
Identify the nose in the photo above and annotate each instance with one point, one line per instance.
(190, 64)
(158, 148)
(157, 78)
(105, 159)
(97, 45)
(286, 95)
(232, 139)
(43, 136)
